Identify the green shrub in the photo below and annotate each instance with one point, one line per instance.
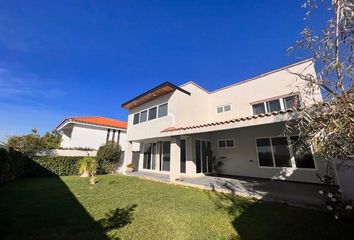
(88, 165)
(47, 166)
(11, 164)
(108, 156)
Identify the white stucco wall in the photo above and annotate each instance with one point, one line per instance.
(76, 135)
(200, 106)
(243, 159)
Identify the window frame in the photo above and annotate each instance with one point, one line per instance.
(292, 157)
(136, 114)
(158, 108)
(146, 110)
(148, 113)
(223, 108)
(225, 140)
(281, 100)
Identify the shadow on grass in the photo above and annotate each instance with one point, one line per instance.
(256, 219)
(45, 208)
(118, 218)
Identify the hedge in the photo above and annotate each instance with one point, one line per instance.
(11, 164)
(47, 166)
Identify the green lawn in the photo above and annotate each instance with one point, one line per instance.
(122, 207)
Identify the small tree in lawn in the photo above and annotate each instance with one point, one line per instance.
(108, 156)
(329, 125)
(88, 165)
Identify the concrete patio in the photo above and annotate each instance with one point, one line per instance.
(293, 193)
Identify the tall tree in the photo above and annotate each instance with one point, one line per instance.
(329, 125)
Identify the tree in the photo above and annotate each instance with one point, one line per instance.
(108, 156)
(329, 125)
(52, 140)
(29, 144)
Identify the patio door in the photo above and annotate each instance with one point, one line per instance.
(203, 158)
(149, 156)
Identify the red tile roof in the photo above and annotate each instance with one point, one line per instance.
(101, 121)
(173, 129)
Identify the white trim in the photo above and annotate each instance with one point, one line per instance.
(69, 121)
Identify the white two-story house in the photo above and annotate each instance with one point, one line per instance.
(242, 124)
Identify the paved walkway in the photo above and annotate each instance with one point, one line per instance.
(300, 194)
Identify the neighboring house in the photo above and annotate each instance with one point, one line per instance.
(242, 124)
(92, 132)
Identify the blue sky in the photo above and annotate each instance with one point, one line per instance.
(65, 58)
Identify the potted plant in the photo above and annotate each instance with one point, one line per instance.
(130, 167)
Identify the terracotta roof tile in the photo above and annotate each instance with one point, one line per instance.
(97, 120)
(173, 129)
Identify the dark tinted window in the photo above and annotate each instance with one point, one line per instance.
(163, 110)
(302, 154)
(281, 152)
(136, 118)
(273, 105)
(258, 108)
(264, 152)
(152, 113)
(229, 143)
(143, 116)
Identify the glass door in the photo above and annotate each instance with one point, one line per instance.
(183, 156)
(203, 158)
(149, 156)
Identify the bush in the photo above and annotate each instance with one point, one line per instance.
(47, 166)
(108, 156)
(11, 164)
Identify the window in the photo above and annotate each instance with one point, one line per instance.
(273, 106)
(291, 102)
(281, 152)
(278, 152)
(264, 152)
(228, 143)
(162, 110)
(258, 108)
(152, 113)
(136, 118)
(166, 149)
(224, 108)
(302, 154)
(284, 103)
(227, 108)
(143, 116)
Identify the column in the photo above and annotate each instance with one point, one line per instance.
(175, 161)
(128, 157)
(141, 157)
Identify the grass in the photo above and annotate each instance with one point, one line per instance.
(120, 207)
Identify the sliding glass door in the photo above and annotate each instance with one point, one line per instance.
(149, 160)
(165, 158)
(203, 158)
(183, 156)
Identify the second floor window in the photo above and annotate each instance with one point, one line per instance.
(224, 108)
(284, 103)
(151, 114)
(143, 116)
(163, 110)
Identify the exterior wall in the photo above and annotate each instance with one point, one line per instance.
(243, 159)
(200, 106)
(88, 136)
(68, 152)
(267, 87)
